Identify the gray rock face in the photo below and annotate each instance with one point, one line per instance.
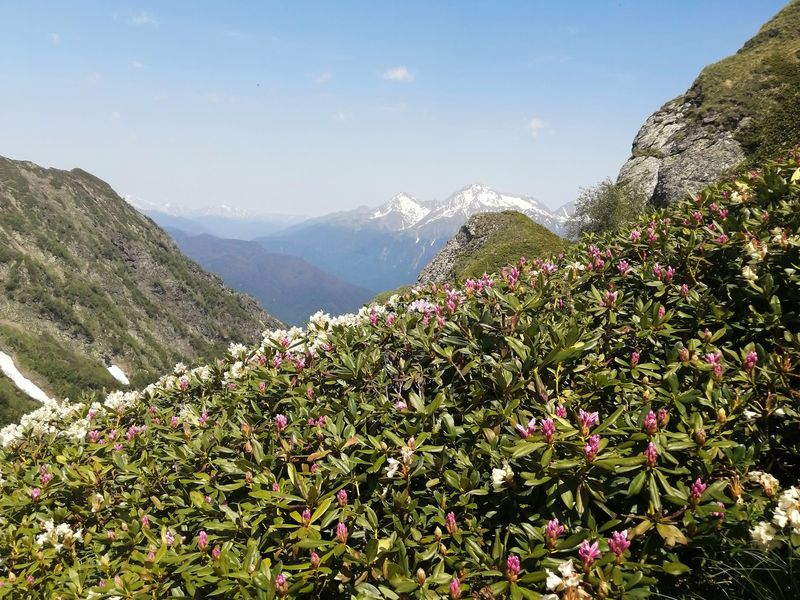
(469, 239)
(676, 154)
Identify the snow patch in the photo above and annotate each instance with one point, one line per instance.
(10, 370)
(118, 374)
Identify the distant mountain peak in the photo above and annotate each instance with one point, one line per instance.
(401, 212)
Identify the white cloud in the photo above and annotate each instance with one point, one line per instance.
(144, 18)
(94, 78)
(55, 38)
(343, 116)
(398, 74)
(535, 126)
(115, 116)
(136, 65)
(323, 77)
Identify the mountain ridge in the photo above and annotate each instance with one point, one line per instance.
(89, 282)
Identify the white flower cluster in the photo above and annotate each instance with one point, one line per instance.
(501, 477)
(42, 421)
(117, 401)
(58, 535)
(787, 513)
(767, 481)
(238, 351)
(57, 417)
(237, 371)
(568, 580)
(757, 251)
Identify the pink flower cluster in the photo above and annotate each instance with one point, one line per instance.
(548, 430)
(715, 359)
(587, 420)
(618, 543)
(750, 361)
(552, 532)
(527, 430)
(588, 553)
(591, 448)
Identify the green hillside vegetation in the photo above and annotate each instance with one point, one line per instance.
(515, 235)
(13, 403)
(85, 280)
(622, 422)
(762, 80)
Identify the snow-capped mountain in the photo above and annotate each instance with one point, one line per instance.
(431, 219)
(385, 247)
(401, 212)
(447, 216)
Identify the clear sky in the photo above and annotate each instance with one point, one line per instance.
(308, 107)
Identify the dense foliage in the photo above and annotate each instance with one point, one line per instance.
(598, 426)
(605, 207)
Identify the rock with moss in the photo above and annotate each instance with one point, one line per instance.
(739, 111)
(487, 242)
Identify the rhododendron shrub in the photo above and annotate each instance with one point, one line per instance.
(574, 429)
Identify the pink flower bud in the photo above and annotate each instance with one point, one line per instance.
(651, 455)
(591, 448)
(750, 361)
(548, 430)
(650, 423)
(587, 420)
(512, 567)
(618, 543)
(588, 553)
(281, 587)
(202, 540)
(450, 523)
(280, 422)
(552, 531)
(341, 533)
(455, 589)
(314, 558)
(341, 497)
(697, 489)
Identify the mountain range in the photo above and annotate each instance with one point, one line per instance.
(288, 287)
(385, 247)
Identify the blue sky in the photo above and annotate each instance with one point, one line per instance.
(309, 107)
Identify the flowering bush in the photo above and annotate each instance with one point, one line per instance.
(594, 426)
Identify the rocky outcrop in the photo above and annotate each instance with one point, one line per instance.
(472, 236)
(675, 153)
(741, 109)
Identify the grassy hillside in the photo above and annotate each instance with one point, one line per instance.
(621, 422)
(87, 281)
(13, 403)
(760, 81)
(513, 235)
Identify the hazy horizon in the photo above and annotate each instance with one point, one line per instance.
(313, 108)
